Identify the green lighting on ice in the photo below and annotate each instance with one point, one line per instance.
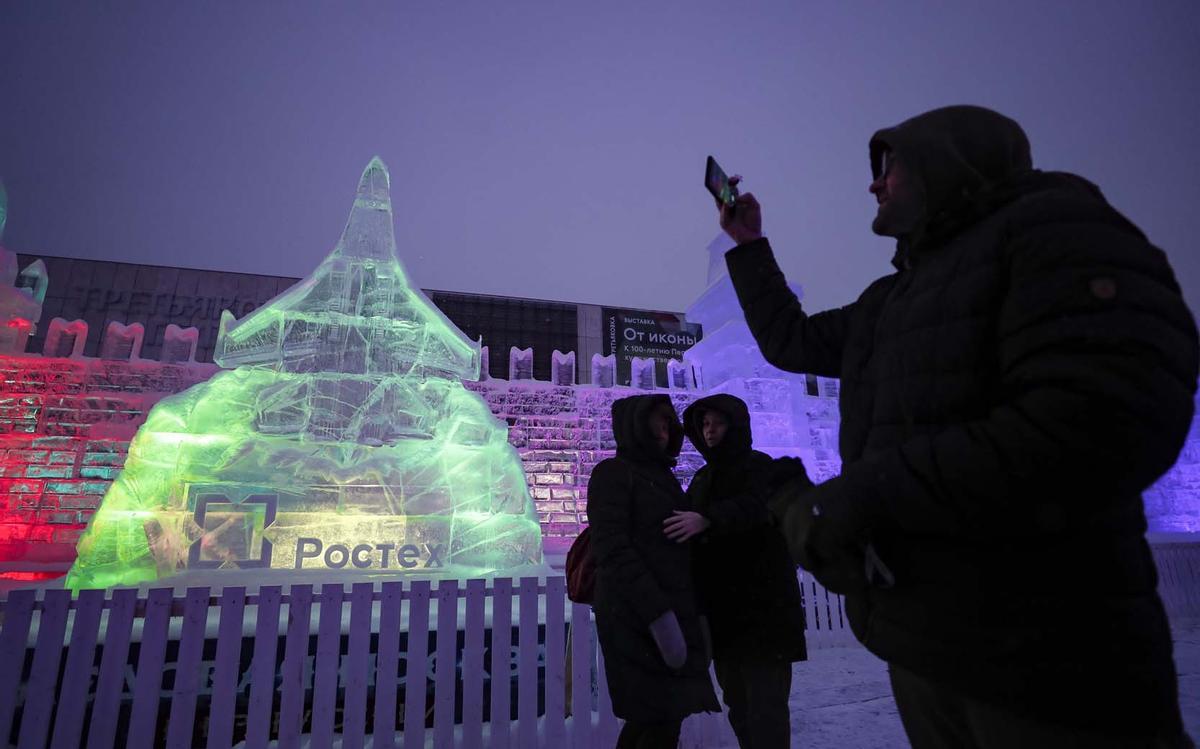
(339, 437)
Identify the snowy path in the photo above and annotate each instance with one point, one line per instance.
(841, 697)
(1187, 663)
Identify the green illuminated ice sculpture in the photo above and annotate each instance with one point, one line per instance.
(341, 437)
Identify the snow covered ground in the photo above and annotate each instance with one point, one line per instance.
(841, 697)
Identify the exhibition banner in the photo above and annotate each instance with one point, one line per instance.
(661, 336)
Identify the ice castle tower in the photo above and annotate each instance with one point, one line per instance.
(21, 293)
(790, 414)
(339, 437)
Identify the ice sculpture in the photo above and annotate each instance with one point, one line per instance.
(21, 293)
(341, 438)
(791, 414)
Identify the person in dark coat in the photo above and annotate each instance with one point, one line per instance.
(745, 577)
(1006, 395)
(647, 617)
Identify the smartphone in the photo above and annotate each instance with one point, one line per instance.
(718, 183)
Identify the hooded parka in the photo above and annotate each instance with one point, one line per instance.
(745, 576)
(641, 574)
(1006, 396)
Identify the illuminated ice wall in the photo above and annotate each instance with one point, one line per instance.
(340, 437)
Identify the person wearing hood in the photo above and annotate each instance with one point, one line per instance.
(746, 580)
(1006, 395)
(647, 616)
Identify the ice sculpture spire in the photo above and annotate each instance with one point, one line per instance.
(356, 313)
(342, 438)
(371, 216)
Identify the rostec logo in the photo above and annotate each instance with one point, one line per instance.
(210, 540)
(367, 556)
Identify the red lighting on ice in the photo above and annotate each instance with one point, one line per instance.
(30, 577)
(65, 426)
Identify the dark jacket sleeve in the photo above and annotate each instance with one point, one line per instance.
(610, 507)
(747, 507)
(788, 337)
(1098, 357)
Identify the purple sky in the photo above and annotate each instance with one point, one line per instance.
(556, 150)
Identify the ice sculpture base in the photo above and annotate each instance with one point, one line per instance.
(204, 488)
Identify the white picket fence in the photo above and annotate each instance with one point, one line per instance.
(67, 675)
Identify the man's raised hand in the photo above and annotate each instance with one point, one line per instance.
(743, 220)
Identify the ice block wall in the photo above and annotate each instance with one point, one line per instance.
(65, 427)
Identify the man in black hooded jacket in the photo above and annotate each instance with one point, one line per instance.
(1006, 395)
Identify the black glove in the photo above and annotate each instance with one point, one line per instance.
(789, 470)
(828, 536)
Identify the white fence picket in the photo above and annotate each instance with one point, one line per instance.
(226, 668)
(147, 687)
(416, 665)
(387, 665)
(501, 705)
(358, 663)
(810, 604)
(472, 671)
(292, 677)
(325, 680)
(181, 720)
(77, 676)
(445, 665)
(825, 614)
(555, 680)
(39, 697)
(527, 665)
(18, 615)
(111, 681)
(260, 712)
(582, 669)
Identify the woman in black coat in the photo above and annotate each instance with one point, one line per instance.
(744, 574)
(647, 617)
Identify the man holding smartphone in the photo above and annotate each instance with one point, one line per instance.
(1006, 395)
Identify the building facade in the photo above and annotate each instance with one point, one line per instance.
(101, 291)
